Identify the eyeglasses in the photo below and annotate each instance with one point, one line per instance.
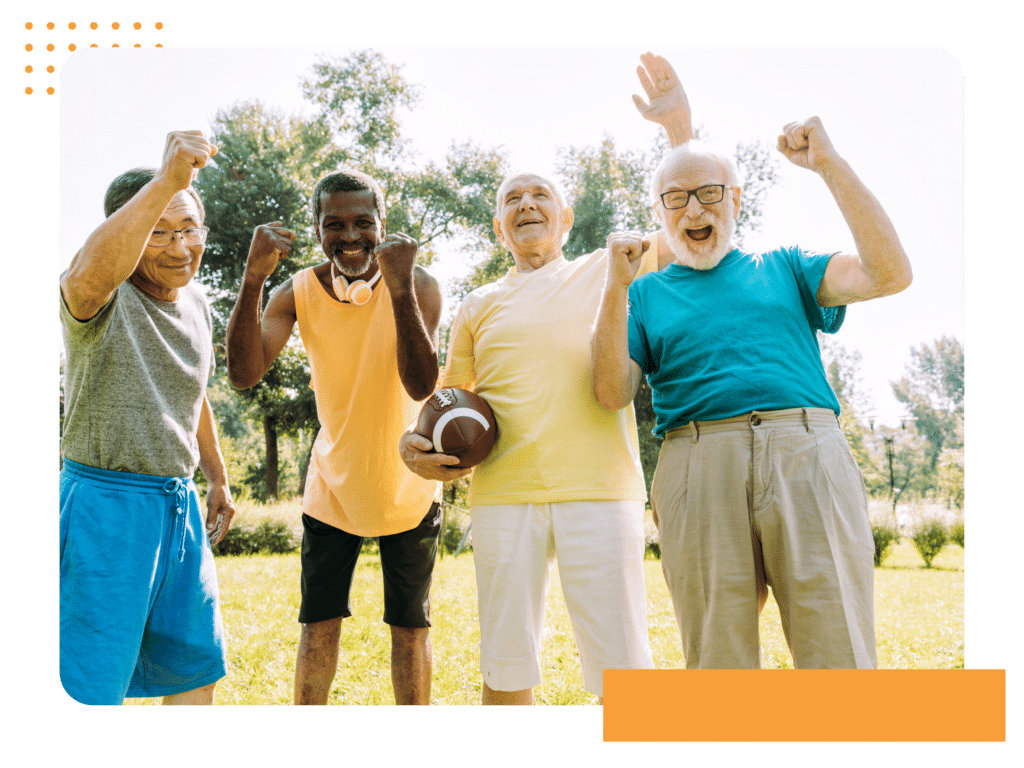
(191, 236)
(707, 195)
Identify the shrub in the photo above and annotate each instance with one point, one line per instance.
(652, 544)
(956, 532)
(453, 529)
(885, 535)
(930, 538)
(268, 537)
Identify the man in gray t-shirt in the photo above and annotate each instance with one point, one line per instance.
(139, 603)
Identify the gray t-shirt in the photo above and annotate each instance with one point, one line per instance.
(134, 380)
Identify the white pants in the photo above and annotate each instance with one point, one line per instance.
(600, 550)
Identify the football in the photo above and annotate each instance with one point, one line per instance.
(459, 423)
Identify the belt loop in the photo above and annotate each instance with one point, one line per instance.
(696, 432)
(807, 421)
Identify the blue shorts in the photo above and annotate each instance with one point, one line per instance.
(139, 608)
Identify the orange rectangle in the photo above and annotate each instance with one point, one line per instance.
(805, 705)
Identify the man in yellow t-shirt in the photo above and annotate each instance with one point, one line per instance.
(564, 478)
(372, 348)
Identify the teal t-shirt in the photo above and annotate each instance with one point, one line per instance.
(736, 338)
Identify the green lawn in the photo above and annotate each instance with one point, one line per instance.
(919, 624)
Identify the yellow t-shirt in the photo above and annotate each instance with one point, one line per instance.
(525, 342)
(356, 480)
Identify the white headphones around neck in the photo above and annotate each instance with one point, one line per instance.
(358, 292)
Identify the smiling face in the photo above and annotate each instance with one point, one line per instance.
(700, 235)
(163, 270)
(349, 229)
(531, 219)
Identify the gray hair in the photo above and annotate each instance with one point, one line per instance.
(346, 180)
(127, 185)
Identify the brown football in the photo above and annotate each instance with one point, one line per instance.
(459, 423)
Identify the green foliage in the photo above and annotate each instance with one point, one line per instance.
(885, 536)
(266, 538)
(950, 481)
(929, 538)
(652, 542)
(933, 390)
(956, 532)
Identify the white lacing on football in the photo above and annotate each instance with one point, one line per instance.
(444, 397)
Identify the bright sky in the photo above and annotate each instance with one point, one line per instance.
(532, 101)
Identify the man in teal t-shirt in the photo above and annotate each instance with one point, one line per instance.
(755, 484)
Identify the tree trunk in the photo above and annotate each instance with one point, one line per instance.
(270, 433)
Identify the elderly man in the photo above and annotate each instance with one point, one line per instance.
(755, 483)
(138, 587)
(564, 478)
(372, 347)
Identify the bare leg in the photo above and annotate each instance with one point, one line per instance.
(317, 661)
(202, 695)
(411, 662)
(524, 696)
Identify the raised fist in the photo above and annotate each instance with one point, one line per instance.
(396, 256)
(184, 154)
(624, 252)
(806, 144)
(270, 243)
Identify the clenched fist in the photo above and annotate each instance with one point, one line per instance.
(396, 257)
(624, 252)
(806, 144)
(270, 243)
(184, 154)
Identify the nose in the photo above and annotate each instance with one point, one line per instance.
(694, 208)
(527, 201)
(177, 244)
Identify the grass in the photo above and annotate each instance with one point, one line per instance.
(919, 622)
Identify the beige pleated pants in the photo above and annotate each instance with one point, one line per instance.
(773, 498)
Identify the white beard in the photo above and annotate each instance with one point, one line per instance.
(708, 256)
(357, 270)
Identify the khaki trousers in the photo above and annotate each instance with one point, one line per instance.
(770, 499)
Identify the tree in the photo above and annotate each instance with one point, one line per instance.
(933, 391)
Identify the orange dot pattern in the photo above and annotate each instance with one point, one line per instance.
(50, 46)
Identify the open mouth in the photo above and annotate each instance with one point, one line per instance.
(702, 233)
(528, 221)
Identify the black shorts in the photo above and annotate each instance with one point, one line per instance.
(407, 562)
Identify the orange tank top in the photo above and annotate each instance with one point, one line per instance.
(356, 480)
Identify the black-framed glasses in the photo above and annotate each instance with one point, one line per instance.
(706, 195)
(191, 236)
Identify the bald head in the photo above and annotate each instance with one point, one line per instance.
(691, 155)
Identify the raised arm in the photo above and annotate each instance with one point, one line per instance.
(220, 508)
(880, 267)
(416, 302)
(256, 338)
(616, 375)
(112, 252)
(666, 103)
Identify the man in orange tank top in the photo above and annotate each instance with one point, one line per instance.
(368, 318)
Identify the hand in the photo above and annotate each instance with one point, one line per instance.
(418, 454)
(270, 243)
(220, 510)
(624, 252)
(184, 154)
(668, 105)
(396, 257)
(805, 143)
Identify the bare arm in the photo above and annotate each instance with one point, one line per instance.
(416, 302)
(112, 252)
(220, 508)
(616, 375)
(666, 102)
(256, 338)
(880, 267)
